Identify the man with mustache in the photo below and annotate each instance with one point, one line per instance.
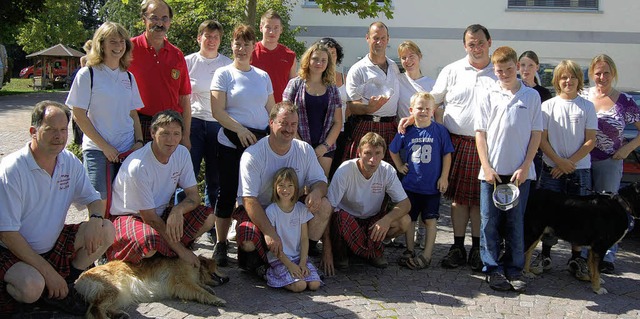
(160, 69)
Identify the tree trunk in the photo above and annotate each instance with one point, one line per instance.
(251, 12)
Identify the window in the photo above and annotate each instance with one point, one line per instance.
(588, 5)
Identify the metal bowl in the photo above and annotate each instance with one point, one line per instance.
(506, 196)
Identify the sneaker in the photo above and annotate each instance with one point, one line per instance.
(578, 268)
(607, 267)
(400, 241)
(498, 281)
(232, 230)
(220, 253)
(261, 271)
(386, 241)
(518, 284)
(474, 259)
(540, 264)
(73, 303)
(456, 257)
(379, 262)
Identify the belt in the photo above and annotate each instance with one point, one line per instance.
(375, 118)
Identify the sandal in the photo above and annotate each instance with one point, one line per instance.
(418, 262)
(405, 257)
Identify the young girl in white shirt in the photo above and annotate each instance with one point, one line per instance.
(292, 269)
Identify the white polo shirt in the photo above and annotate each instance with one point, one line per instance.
(35, 203)
(363, 71)
(566, 122)
(508, 119)
(361, 197)
(459, 87)
(144, 183)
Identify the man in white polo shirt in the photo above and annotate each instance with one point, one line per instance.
(38, 183)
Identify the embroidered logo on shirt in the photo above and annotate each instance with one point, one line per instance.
(175, 74)
(376, 188)
(63, 182)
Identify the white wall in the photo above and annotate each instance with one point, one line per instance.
(437, 26)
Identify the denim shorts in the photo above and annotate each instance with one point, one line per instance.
(428, 205)
(96, 163)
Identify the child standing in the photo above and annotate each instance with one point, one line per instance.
(570, 123)
(426, 166)
(508, 130)
(291, 269)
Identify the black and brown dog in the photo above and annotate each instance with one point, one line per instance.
(595, 221)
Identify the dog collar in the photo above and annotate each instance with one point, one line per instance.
(627, 209)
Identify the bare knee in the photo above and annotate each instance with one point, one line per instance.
(24, 283)
(313, 285)
(297, 286)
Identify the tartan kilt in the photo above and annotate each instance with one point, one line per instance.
(387, 130)
(135, 238)
(246, 230)
(59, 257)
(356, 233)
(464, 185)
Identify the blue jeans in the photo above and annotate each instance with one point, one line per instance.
(95, 163)
(606, 175)
(496, 225)
(204, 145)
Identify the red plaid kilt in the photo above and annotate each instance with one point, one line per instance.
(387, 130)
(59, 257)
(464, 185)
(356, 233)
(135, 239)
(246, 230)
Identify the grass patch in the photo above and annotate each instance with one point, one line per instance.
(21, 86)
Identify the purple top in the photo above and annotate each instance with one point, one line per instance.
(316, 113)
(611, 123)
(295, 93)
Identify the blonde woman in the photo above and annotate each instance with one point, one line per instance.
(104, 98)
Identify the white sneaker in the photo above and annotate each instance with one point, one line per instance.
(400, 241)
(232, 231)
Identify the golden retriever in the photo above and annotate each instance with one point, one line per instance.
(110, 287)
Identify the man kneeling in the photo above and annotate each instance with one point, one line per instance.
(363, 218)
(144, 221)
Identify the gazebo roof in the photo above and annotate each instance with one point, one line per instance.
(58, 50)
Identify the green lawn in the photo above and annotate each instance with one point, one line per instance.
(20, 86)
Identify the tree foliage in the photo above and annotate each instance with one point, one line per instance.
(14, 13)
(59, 22)
(363, 8)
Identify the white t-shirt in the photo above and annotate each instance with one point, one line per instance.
(508, 119)
(145, 183)
(362, 197)
(247, 96)
(259, 164)
(288, 227)
(343, 97)
(201, 72)
(108, 104)
(35, 203)
(459, 87)
(566, 122)
(363, 71)
(408, 87)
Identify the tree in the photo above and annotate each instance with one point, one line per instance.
(363, 8)
(14, 13)
(59, 22)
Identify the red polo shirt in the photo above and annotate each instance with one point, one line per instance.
(162, 77)
(277, 63)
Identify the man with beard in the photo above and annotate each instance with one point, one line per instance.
(160, 69)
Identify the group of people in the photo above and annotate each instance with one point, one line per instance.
(298, 155)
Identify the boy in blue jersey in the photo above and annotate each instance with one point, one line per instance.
(426, 166)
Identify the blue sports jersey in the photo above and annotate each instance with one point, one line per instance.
(425, 148)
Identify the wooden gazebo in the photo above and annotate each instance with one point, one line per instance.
(58, 51)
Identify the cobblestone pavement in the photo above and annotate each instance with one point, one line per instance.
(367, 292)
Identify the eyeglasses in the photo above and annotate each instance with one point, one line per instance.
(156, 19)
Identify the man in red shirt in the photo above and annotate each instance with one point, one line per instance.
(160, 69)
(274, 58)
